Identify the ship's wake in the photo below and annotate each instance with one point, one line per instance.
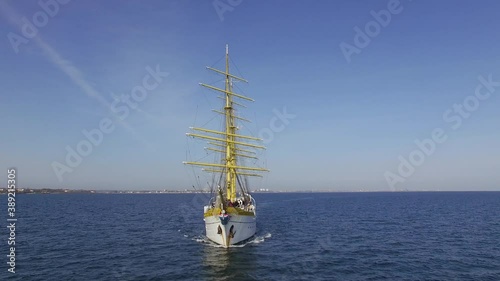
(256, 239)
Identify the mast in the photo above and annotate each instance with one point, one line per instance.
(228, 142)
(230, 132)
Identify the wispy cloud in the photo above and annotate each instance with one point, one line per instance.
(67, 67)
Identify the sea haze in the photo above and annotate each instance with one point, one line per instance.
(301, 236)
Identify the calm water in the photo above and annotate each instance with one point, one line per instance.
(334, 236)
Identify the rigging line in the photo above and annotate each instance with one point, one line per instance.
(217, 81)
(196, 178)
(206, 98)
(208, 101)
(247, 186)
(240, 90)
(214, 182)
(252, 133)
(239, 183)
(217, 159)
(194, 188)
(220, 180)
(240, 112)
(243, 189)
(249, 129)
(208, 186)
(214, 116)
(223, 57)
(211, 119)
(235, 65)
(188, 154)
(206, 155)
(211, 186)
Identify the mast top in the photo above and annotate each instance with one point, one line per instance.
(227, 49)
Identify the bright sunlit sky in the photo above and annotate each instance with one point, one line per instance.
(353, 119)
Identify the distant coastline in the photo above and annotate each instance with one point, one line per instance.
(97, 191)
(92, 191)
(186, 191)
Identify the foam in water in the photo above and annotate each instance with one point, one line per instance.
(255, 240)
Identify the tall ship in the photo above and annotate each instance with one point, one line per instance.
(230, 216)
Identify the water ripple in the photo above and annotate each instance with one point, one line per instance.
(337, 236)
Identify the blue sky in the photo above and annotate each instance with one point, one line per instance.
(353, 119)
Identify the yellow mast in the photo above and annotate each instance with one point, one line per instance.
(228, 140)
(230, 132)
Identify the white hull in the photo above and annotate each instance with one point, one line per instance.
(239, 228)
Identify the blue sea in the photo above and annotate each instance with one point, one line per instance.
(301, 236)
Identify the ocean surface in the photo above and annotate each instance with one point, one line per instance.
(301, 236)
